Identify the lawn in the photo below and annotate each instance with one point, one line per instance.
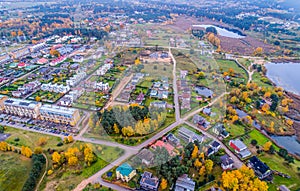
(245, 62)
(158, 70)
(234, 130)
(225, 65)
(275, 162)
(258, 79)
(14, 171)
(64, 179)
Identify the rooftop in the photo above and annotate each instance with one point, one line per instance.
(125, 169)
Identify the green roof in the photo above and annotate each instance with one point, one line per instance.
(125, 169)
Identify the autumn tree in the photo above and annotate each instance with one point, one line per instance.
(70, 139)
(209, 165)
(56, 157)
(265, 107)
(26, 151)
(72, 161)
(42, 141)
(242, 179)
(38, 150)
(4, 146)
(202, 171)
(116, 129)
(258, 51)
(164, 184)
(267, 146)
(195, 152)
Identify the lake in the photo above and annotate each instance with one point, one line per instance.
(285, 75)
(288, 142)
(222, 31)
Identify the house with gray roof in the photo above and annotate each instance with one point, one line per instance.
(184, 183)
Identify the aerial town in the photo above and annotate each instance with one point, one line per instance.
(149, 95)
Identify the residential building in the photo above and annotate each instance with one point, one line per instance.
(167, 146)
(189, 136)
(173, 140)
(59, 114)
(78, 58)
(159, 104)
(21, 52)
(37, 47)
(58, 60)
(74, 80)
(240, 148)
(184, 183)
(55, 88)
(201, 121)
(42, 61)
(4, 58)
(103, 69)
(149, 182)
(261, 169)
(146, 156)
(22, 108)
(219, 129)
(26, 88)
(226, 162)
(283, 188)
(125, 172)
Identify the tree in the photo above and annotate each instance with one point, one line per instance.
(265, 107)
(195, 152)
(38, 150)
(42, 141)
(283, 152)
(49, 172)
(163, 184)
(38, 98)
(242, 179)
(202, 171)
(56, 157)
(26, 151)
(272, 149)
(253, 142)
(4, 146)
(197, 163)
(235, 118)
(70, 139)
(54, 52)
(258, 51)
(209, 165)
(116, 129)
(267, 146)
(73, 160)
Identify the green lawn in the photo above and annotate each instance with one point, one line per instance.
(245, 62)
(275, 162)
(225, 65)
(234, 130)
(14, 171)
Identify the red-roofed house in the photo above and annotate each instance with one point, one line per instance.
(42, 61)
(22, 65)
(167, 146)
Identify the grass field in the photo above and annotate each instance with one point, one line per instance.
(65, 178)
(275, 162)
(14, 171)
(225, 65)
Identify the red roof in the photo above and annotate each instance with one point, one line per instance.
(42, 60)
(21, 64)
(167, 146)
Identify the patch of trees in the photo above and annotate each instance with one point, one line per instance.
(198, 33)
(211, 30)
(36, 171)
(84, 32)
(129, 121)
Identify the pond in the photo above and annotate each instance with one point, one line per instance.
(289, 142)
(203, 91)
(222, 31)
(285, 75)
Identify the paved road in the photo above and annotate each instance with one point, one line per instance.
(249, 73)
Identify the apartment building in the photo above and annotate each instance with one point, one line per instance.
(74, 80)
(16, 54)
(55, 88)
(22, 108)
(59, 114)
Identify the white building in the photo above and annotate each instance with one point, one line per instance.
(74, 80)
(55, 88)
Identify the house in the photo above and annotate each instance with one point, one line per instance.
(183, 74)
(226, 162)
(215, 145)
(140, 98)
(159, 104)
(184, 183)
(78, 58)
(125, 172)
(149, 182)
(161, 144)
(261, 169)
(210, 151)
(22, 65)
(240, 148)
(173, 140)
(42, 61)
(201, 121)
(207, 111)
(219, 129)
(146, 156)
(189, 136)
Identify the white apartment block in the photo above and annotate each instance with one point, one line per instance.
(55, 88)
(22, 108)
(74, 80)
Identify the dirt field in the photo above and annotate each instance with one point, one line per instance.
(244, 46)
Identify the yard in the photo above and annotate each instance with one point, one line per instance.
(240, 73)
(14, 171)
(45, 96)
(276, 162)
